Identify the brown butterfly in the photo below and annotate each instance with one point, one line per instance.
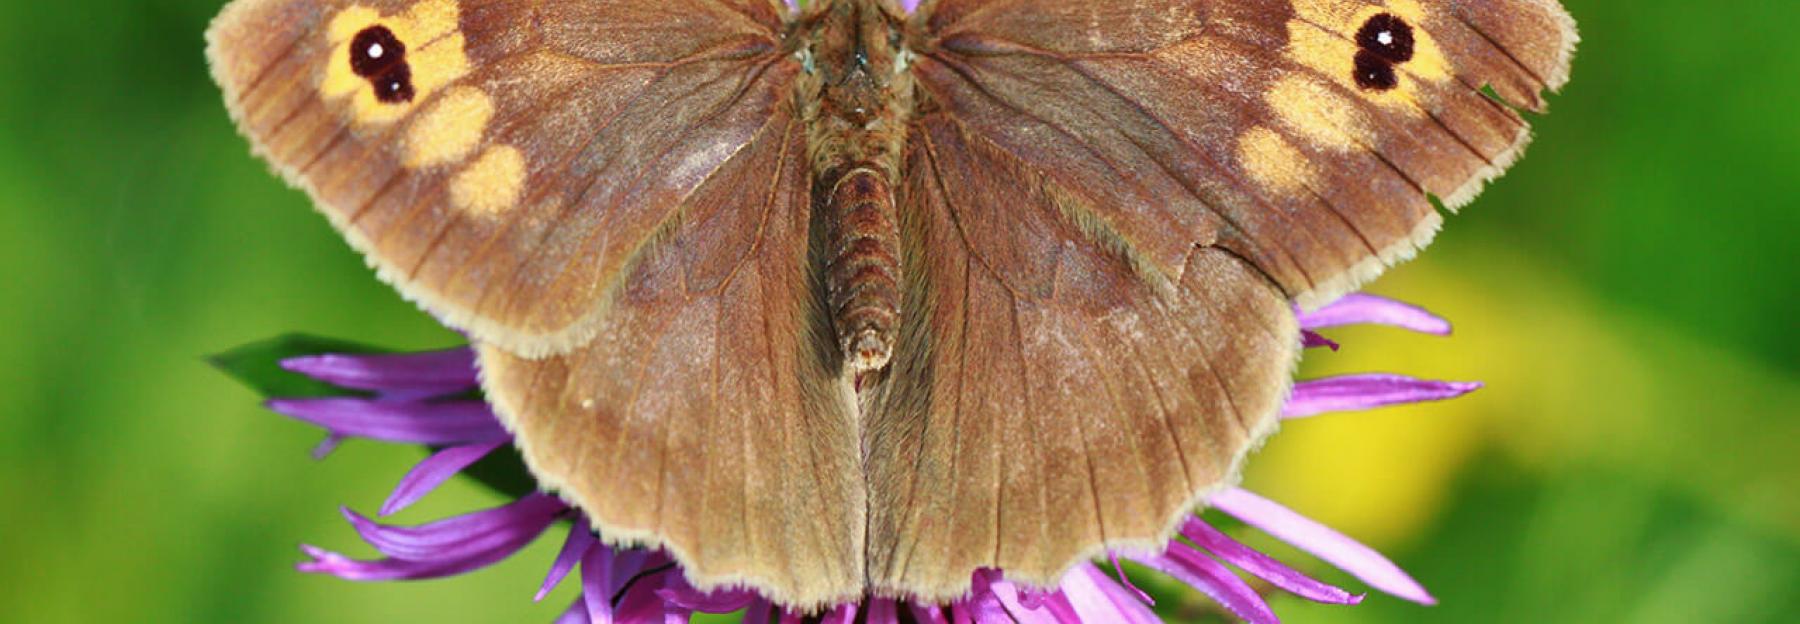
(852, 300)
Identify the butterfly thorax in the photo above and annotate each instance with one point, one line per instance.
(855, 96)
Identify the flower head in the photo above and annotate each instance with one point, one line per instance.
(432, 399)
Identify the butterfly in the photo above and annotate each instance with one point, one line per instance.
(861, 298)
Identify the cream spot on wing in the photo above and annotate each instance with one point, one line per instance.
(340, 80)
(492, 183)
(1273, 162)
(1317, 112)
(435, 56)
(451, 128)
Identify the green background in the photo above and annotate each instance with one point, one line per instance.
(1627, 292)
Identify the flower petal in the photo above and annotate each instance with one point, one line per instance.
(597, 583)
(434, 471)
(1359, 308)
(509, 526)
(1334, 547)
(758, 613)
(327, 562)
(1213, 579)
(1126, 582)
(842, 614)
(575, 614)
(1264, 566)
(1359, 392)
(678, 592)
(641, 604)
(331, 442)
(927, 614)
(1096, 598)
(982, 605)
(1008, 595)
(446, 371)
(580, 539)
(416, 422)
(1312, 340)
(882, 611)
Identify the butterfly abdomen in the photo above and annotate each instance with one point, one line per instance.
(856, 99)
(862, 268)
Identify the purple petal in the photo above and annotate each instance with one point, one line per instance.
(1366, 391)
(597, 583)
(580, 539)
(1312, 340)
(1032, 599)
(642, 605)
(1359, 308)
(679, 592)
(1009, 598)
(327, 562)
(575, 614)
(983, 605)
(1096, 598)
(1308, 535)
(326, 446)
(842, 614)
(1126, 581)
(434, 471)
(510, 526)
(959, 613)
(1212, 578)
(758, 613)
(927, 614)
(1264, 566)
(909, 5)
(451, 370)
(447, 422)
(883, 611)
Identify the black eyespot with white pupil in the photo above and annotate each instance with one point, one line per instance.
(1374, 72)
(1384, 41)
(379, 56)
(1388, 37)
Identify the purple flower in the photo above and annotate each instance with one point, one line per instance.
(422, 398)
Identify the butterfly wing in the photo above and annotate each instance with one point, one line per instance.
(1049, 395)
(1110, 205)
(707, 415)
(502, 163)
(1253, 125)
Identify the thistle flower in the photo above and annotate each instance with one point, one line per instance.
(432, 399)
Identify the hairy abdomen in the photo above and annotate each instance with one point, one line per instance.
(862, 271)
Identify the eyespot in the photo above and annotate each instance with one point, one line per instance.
(1374, 72)
(374, 50)
(379, 56)
(395, 85)
(1388, 37)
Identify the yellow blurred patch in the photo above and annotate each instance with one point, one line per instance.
(1572, 385)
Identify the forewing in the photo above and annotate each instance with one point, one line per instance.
(707, 416)
(534, 149)
(1290, 132)
(1050, 396)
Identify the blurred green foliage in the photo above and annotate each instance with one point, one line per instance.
(1627, 291)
